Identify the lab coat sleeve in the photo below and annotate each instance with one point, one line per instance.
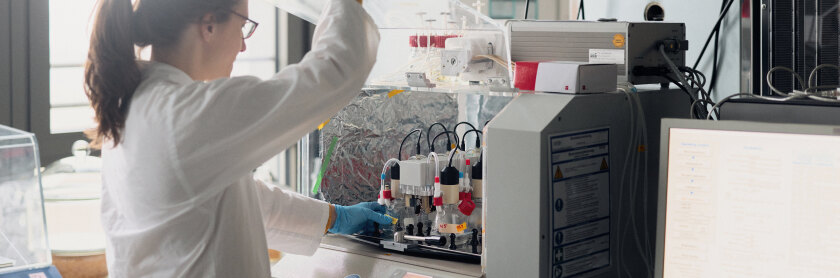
(293, 223)
(225, 128)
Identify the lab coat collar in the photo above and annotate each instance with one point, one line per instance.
(163, 71)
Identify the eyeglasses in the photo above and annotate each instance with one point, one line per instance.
(249, 27)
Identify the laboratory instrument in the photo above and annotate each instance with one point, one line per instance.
(799, 35)
(791, 112)
(496, 200)
(632, 46)
(567, 183)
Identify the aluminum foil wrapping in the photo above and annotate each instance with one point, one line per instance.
(369, 132)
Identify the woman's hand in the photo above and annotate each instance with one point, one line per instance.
(358, 217)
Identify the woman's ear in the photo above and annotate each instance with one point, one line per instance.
(208, 28)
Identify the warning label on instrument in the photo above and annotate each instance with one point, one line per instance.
(579, 170)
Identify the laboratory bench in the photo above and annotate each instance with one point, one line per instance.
(340, 256)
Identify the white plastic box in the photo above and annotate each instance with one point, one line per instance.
(576, 78)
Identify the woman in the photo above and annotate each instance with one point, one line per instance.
(180, 137)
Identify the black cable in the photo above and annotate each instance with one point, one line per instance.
(451, 155)
(406, 138)
(581, 11)
(455, 128)
(701, 101)
(692, 98)
(698, 73)
(726, 99)
(693, 77)
(449, 144)
(717, 27)
(705, 95)
(527, 5)
(690, 76)
(697, 78)
(429, 133)
(477, 139)
(716, 55)
(419, 136)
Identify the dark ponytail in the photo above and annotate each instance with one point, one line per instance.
(111, 71)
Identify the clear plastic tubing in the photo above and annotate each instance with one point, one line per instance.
(437, 163)
(388, 163)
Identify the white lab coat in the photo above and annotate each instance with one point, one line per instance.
(179, 199)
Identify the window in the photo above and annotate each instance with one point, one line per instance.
(260, 56)
(69, 29)
(68, 107)
(68, 23)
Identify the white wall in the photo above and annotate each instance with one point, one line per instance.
(699, 17)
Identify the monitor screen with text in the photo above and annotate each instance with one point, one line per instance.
(751, 204)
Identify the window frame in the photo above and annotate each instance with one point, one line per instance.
(52, 146)
(6, 114)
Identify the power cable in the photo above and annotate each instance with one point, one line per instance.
(429, 133)
(406, 138)
(709, 39)
(527, 5)
(715, 56)
(581, 11)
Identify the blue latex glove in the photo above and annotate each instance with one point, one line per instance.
(358, 217)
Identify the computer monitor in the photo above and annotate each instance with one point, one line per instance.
(747, 199)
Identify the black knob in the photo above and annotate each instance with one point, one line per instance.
(398, 227)
(452, 242)
(419, 229)
(409, 230)
(429, 229)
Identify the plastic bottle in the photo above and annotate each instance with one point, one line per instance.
(449, 219)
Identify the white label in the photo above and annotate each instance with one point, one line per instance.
(581, 200)
(606, 56)
(580, 173)
(577, 140)
(578, 233)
